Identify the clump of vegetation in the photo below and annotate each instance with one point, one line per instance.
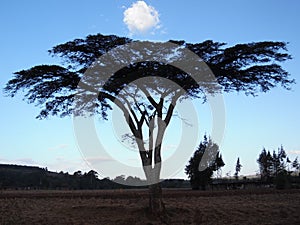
(277, 168)
(205, 161)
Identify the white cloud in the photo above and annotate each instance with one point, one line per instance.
(20, 161)
(96, 160)
(294, 152)
(58, 147)
(141, 18)
(27, 161)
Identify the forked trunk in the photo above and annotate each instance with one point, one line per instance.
(151, 160)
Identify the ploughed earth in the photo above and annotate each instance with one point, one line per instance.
(259, 206)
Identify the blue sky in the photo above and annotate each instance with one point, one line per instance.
(30, 28)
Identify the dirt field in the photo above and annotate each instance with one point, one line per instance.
(130, 207)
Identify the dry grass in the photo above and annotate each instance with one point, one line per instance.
(129, 207)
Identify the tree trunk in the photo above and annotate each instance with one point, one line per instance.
(156, 205)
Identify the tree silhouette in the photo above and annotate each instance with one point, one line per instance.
(212, 163)
(275, 168)
(296, 164)
(279, 161)
(265, 162)
(219, 163)
(82, 85)
(238, 168)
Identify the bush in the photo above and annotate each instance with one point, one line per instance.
(283, 180)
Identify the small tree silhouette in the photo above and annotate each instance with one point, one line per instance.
(201, 178)
(238, 168)
(296, 164)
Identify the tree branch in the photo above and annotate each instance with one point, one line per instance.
(147, 94)
(151, 128)
(131, 110)
(117, 102)
(171, 108)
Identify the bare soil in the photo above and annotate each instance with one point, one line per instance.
(263, 206)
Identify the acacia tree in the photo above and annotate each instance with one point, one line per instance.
(249, 68)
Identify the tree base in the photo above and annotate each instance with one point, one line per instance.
(156, 205)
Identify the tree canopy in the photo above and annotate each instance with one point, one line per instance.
(250, 68)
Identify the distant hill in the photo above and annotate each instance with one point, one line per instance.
(31, 177)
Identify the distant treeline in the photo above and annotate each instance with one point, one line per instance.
(29, 177)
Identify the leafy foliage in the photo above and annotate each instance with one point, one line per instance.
(250, 68)
(275, 168)
(213, 162)
(238, 168)
(296, 164)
